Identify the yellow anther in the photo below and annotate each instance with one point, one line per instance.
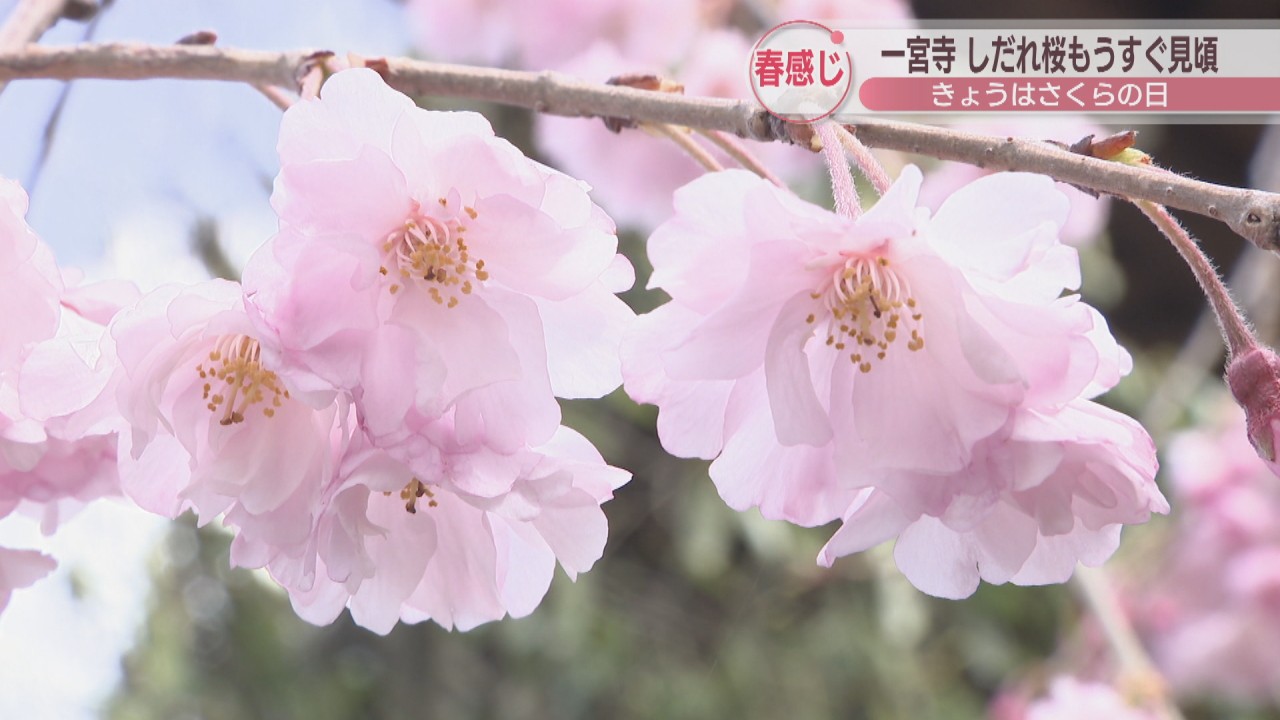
(245, 382)
(412, 492)
(861, 300)
(429, 250)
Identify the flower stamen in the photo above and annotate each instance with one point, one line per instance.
(414, 490)
(432, 252)
(869, 305)
(236, 363)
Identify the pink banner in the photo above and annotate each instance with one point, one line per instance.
(1057, 94)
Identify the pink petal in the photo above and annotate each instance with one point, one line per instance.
(583, 337)
(975, 228)
(872, 519)
(798, 415)
(365, 196)
(732, 341)
(357, 109)
(20, 569)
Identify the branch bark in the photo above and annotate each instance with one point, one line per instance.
(29, 21)
(1253, 214)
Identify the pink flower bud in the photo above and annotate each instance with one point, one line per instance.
(1254, 379)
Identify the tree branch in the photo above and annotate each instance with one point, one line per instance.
(31, 19)
(1253, 214)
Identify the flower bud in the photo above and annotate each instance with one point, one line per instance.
(1254, 379)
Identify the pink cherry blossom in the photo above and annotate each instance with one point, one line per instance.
(65, 400)
(874, 13)
(19, 569)
(212, 426)
(1088, 215)
(911, 374)
(1211, 611)
(476, 542)
(1072, 699)
(1028, 508)
(426, 267)
(57, 422)
(537, 36)
(635, 172)
(30, 284)
(914, 305)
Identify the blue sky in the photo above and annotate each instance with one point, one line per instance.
(130, 149)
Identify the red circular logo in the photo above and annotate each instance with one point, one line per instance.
(800, 71)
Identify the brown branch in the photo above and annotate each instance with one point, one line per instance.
(31, 19)
(1253, 214)
(136, 61)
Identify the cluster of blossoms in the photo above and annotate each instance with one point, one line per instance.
(1070, 699)
(374, 413)
(58, 422)
(405, 335)
(919, 378)
(1212, 612)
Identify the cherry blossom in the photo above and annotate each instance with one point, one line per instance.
(1088, 215)
(913, 375)
(1055, 492)
(30, 283)
(212, 426)
(876, 13)
(19, 569)
(1072, 699)
(635, 172)
(537, 36)
(475, 541)
(57, 422)
(426, 266)
(1211, 611)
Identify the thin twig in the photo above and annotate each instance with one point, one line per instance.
(1253, 214)
(866, 162)
(1230, 320)
(681, 138)
(843, 190)
(55, 118)
(734, 148)
(1138, 674)
(277, 95)
(1252, 280)
(28, 22)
